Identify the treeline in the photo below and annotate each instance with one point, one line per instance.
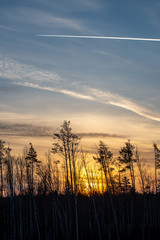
(66, 198)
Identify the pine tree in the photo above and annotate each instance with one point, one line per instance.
(2, 152)
(105, 159)
(126, 186)
(31, 163)
(126, 158)
(157, 164)
(67, 147)
(8, 161)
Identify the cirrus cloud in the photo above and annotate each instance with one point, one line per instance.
(99, 96)
(13, 70)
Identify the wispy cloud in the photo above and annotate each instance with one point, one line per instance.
(120, 101)
(21, 117)
(7, 28)
(11, 69)
(103, 97)
(113, 56)
(63, 91)
(45, 19)
(89, 4)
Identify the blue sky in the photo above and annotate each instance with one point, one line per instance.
(109, 86)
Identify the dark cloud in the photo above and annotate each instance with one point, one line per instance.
(22, 129)
(100, 135)
(17, 129)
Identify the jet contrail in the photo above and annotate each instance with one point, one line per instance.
(101, 37)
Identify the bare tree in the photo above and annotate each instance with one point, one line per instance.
(141, 170)
(20, 166)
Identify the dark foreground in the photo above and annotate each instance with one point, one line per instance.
(126, 216)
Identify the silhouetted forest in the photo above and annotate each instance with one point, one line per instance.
(71, 196)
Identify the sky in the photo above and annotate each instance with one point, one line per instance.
(108, 89)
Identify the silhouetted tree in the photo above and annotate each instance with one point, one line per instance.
(141, 170)
(126, 186)
(2, 152)
(8, 161)
(31, 163)
(126, 158)
(67, 147)
(157, 164)
(52, 213)
(20, 166)
(120, 169)
(47, 175)
(105, 159)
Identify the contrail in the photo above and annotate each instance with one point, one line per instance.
(101, 37)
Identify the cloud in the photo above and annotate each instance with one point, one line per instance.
(7, 114)
(7, 28)
(44, 19)
(113, 56)
(122, 102)
(31, 130)
(103, 97)
(13, 70)
(19, 129)
(100, 135)
(89, 4)
(63, 91)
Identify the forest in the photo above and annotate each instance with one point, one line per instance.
(70, 196)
